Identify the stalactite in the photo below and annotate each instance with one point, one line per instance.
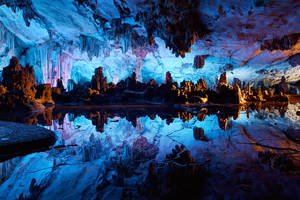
(93, 46)
(140, 54)
(7, 45)
(139, 125)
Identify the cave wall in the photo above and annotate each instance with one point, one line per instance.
(252, 40)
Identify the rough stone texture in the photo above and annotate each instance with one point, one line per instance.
(26, 5)
(169, 79)
(294, 134)
(283, 87)
(199, 134)
(294, 60)
(201, 85)
(225, 93)
(238, 82)
(44, 93)
(99, 82)
(17, 139)
(199, 62)
(71, 84)
(182, 30)
(143, 149)
(60, 85)
(19, 80)
(223, 79)
(284, 43)
(3, 89)
(20, 85)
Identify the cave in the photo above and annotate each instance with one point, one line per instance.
(149, 99)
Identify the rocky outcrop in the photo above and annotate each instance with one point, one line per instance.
(238, 82)
(60, 85)
(199, 134)
(19, 80)
(71, 84)
(283, 86)
(44, 94)
(143, 149)
(199, 62)
(99, 82)
(294, 60)
(168, 79)
(177, 22)
(25, 5)
(19, 89)
(19, 139)
(285, 43)
(223, 79)
(201, 85)
(20, 85)
(3, 90)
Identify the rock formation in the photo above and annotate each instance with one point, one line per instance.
(168, 79)
(44, 94)
(19, 80)
(20, 85)
(294, 60)
(223, 79)
(99, 83)
(283, 87)
(199, 62)
(199, 134)
(19, 88)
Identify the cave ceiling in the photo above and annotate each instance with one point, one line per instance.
(255, 38)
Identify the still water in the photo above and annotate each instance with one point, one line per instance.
(158, 153)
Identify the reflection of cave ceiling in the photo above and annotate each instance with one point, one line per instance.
(260, 38)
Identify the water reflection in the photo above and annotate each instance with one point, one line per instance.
(131, 153)
(100, 115)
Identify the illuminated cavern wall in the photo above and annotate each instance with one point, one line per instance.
(77, 61)
(65, 39)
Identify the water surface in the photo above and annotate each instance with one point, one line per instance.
(114, 153)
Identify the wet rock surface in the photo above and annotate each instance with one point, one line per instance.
(18, 139)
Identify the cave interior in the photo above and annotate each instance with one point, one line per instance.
(149, 99)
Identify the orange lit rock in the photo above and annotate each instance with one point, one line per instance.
(223, 79)
(19, 80)
(3, 89)
(44, 93)
(201, 85)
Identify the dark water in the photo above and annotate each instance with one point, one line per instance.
(158, 152)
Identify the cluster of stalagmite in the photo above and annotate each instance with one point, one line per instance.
(19, 90)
